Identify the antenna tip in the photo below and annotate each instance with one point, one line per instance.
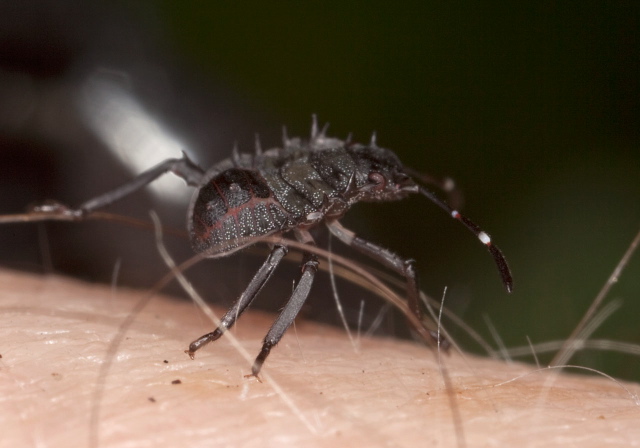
(509, 286)
(503, 267)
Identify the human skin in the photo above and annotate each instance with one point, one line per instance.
(317, 389)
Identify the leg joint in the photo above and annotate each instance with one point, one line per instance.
(409, 267)
(310, 262)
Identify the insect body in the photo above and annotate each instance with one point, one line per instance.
(246, 198)
(294, 188)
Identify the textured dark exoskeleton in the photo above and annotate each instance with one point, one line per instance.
(290, 189)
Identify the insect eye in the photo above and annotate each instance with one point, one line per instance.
(377, 179)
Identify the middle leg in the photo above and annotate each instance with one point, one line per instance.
(288, 314)
(230, 317)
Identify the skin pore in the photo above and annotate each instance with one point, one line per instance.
(317, 390)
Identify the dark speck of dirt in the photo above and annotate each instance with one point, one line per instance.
(176, 382)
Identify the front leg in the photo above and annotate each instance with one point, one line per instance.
(403, 266)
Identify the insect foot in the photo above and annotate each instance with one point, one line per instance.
(55, 210)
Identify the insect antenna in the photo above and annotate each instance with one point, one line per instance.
(484, 238)
(446, 184)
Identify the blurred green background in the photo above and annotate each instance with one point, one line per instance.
(533, 107)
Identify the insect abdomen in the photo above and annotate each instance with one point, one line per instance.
(231, 210)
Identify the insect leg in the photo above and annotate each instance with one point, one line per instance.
(446, 184)
(184, 168)
(402, 266)
(250, 293)
(288, 314)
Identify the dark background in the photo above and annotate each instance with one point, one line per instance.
(534, 109)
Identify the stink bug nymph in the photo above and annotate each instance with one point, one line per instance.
(249, 197)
